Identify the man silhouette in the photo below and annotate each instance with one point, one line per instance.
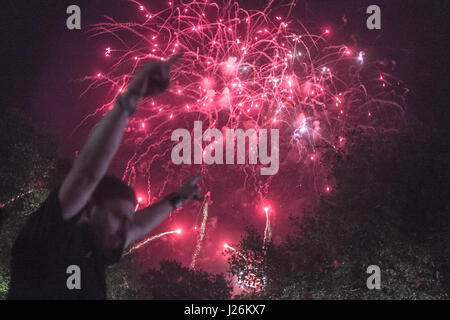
(89, 219)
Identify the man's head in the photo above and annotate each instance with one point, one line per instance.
(109, 214)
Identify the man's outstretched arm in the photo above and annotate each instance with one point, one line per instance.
(102, 144)
(92, 162)
(149, 218)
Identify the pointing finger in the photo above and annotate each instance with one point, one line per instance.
(144, 88)
(173, 59)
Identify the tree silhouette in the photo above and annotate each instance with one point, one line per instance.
(388, 208)
(175, 282)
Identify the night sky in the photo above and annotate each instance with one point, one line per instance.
(45, 62)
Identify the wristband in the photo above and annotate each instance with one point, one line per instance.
(123, 102)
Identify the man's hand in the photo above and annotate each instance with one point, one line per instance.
(152, 79)
(190, 190)
(149, 218)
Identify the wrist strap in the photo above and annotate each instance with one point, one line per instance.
(124, 103)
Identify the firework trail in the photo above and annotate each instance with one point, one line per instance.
(201, 236)
(139, 200)
(226, 246)
(178, 231)
(267, 230)
(15, 198)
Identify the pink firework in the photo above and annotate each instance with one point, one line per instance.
(243, 69)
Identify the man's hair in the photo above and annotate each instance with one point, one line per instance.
(112, 187)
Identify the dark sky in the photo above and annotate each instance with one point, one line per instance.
(43, 61)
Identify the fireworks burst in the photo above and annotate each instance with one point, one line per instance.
(243, 69)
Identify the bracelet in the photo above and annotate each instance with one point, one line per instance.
(124, 104)
(175, 200)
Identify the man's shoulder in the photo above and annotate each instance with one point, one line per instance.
(47, 210)
(43, 227)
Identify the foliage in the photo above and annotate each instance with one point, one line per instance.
(29, 169)
(388, 208)
(124, 281)
(175, 282)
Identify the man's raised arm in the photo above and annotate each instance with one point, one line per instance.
(102, 144)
